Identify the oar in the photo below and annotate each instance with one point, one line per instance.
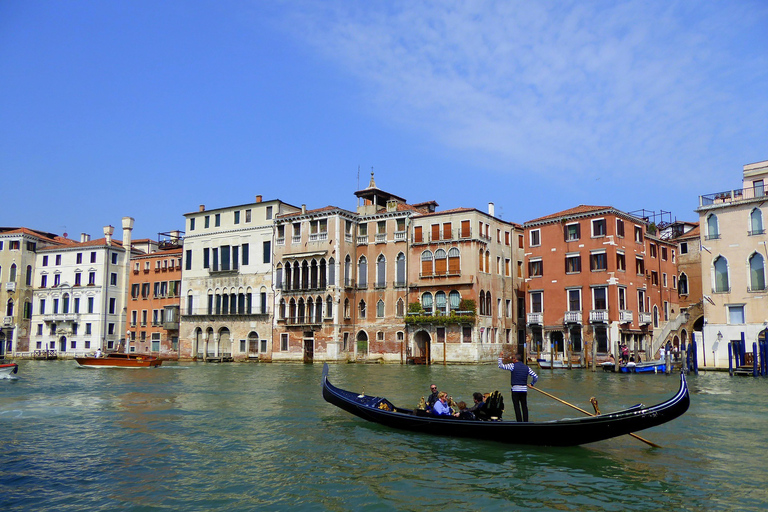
(590, 414)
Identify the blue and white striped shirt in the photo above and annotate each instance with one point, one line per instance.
(519, 377)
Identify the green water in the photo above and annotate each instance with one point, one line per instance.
(260, 437)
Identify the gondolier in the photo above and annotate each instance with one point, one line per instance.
(520, 373)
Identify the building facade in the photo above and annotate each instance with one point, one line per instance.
(79, 299)
(733, 260)
(226, 285)
(155, 298)
(18, 250)
(596, 279)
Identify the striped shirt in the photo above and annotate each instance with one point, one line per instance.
(521, 387)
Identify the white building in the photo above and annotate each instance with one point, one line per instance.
(80, 292)
(226, 285)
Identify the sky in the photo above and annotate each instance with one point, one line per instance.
(149, 109)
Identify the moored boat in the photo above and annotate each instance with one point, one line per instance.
(8, 369)
(557, 364)
(563, 432)
(647, 367)
(119, 360)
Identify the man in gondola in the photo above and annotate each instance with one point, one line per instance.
(520, 373)
(433, 397)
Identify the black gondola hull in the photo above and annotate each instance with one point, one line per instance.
(564, 432)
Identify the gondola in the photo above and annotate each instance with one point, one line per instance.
(563, 432)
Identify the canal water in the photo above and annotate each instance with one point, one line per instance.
(260, 437)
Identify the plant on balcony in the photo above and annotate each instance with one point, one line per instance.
(421, 318)
(468, 305)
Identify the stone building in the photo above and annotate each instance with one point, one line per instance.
(226, 284)
(733, 260)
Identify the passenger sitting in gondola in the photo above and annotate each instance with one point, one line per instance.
(432, 398)
(479, 410)
(441, 406)
(464, 413)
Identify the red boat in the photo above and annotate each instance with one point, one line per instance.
(8, 369)
(118, 360)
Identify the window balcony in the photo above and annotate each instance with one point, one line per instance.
(400, 236)
(61, 317)
(362, 240)
(296, 239)
(280, 241)
(348, 237)
(535, 318)
(572, 317)
(733, 196)
(625, 316)
(644, 318)
(10, 286)
(598, 316)
(7, 321)
(318, 237)
(381, 238)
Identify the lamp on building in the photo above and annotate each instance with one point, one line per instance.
(719, 336)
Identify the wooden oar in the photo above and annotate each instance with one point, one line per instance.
(590, 414)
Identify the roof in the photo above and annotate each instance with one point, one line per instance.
(582, 209)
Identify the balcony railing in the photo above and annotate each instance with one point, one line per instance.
(732, 196)
(400, 236)
(598, 316)
(10, 286)
(318, 237)
(362, 240)
(644, 318)
(348, 237)
(381, 238)
(61, 317)
(625, 316)
(280, 241)
(572, 317)
(7, 321)
(296, 239)
(535, 318)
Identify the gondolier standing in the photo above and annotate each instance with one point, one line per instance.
(520, 373)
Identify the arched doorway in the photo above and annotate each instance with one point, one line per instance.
(557, 340)
(225, 343)
(3, 348)
(362, 344)
(63, 344)
(309, 346)
(253, 344)
(197, 340)
(422, 348)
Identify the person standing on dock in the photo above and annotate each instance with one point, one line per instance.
(520, 373)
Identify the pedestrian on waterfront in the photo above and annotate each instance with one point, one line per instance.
(441, 406)
(519, 377)
(479, 409)
(433, 397)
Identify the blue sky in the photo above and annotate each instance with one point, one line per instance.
(149, 109)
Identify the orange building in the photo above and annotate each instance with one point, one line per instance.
(597, 277)
(153, 304)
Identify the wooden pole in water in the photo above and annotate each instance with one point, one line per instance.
(590, 414)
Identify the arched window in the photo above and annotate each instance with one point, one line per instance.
(481, 260)
(296, 276)
(361, 308)
(488, 304)
(488, 261)
(279, 276)
(348, 271)
(311, 310)
(682, 284)
(441, 262)
(323, 274)
(29, 275)
(65, 304)
(328, 306)
(400, 308)
(440, 303)
(400, 270)
(12, 276)
(756, 272)
(655, 316)
(304, 275)
(9, 308)
(381, 271)
(313, 277)
(712, 228)
(301, 312)
(319, 309)
(454, 299)
(346, 308)
(380, 309)
(426, 302)
(454, 261)
(288, 281)
(481, 305)
(332, 272)
(362, 272)
(292, 310)
(756, 222)
(426, 263)
(282, 309)
(721, 275)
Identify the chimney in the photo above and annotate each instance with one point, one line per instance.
(84, 237)
(202, 207)
(491, 210)
(127, 228)
(303, 208)
(258, 198)
(108, 230)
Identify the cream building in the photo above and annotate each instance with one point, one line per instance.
(226, 285)
(733, 261)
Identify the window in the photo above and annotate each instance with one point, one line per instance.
(217, 221)
(244, 250)
(112, 304)
(113, 279)
(381, 272)
(90, 304)
(756, 222)
(640, 266)
(638, 234)
(713, 231)
(654, 278)
(721, 275)
(400, 308)
(465, 229)
(572, 263)
(441, 262)
(572, 232)
(56, 279)
(663, 254)
(756, 272)
(736, 314)
(88, 328)
(269, 213)
(427, 263)
(361, 309)
(58, 259)
(267, 251)
(426, 302)
(284, 341)
(598, 261)
(440, 303)
(574, 300)
(399, 270)
(237, 220)
(114, 258)
(417, 235)
(621, 262)
(535, 237)
(188, 260)
(43, 281)
(93, 256)
(207, 221)
(45, 261)
(535, 268)
(598, 227)
(78, 277)
(652, 249)
(600, 298)
(641, 301)
(192, 224)
(664, 279)
(620, 228)
(454, 298)
(622, 298)
(362, 272)
(380, 309)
